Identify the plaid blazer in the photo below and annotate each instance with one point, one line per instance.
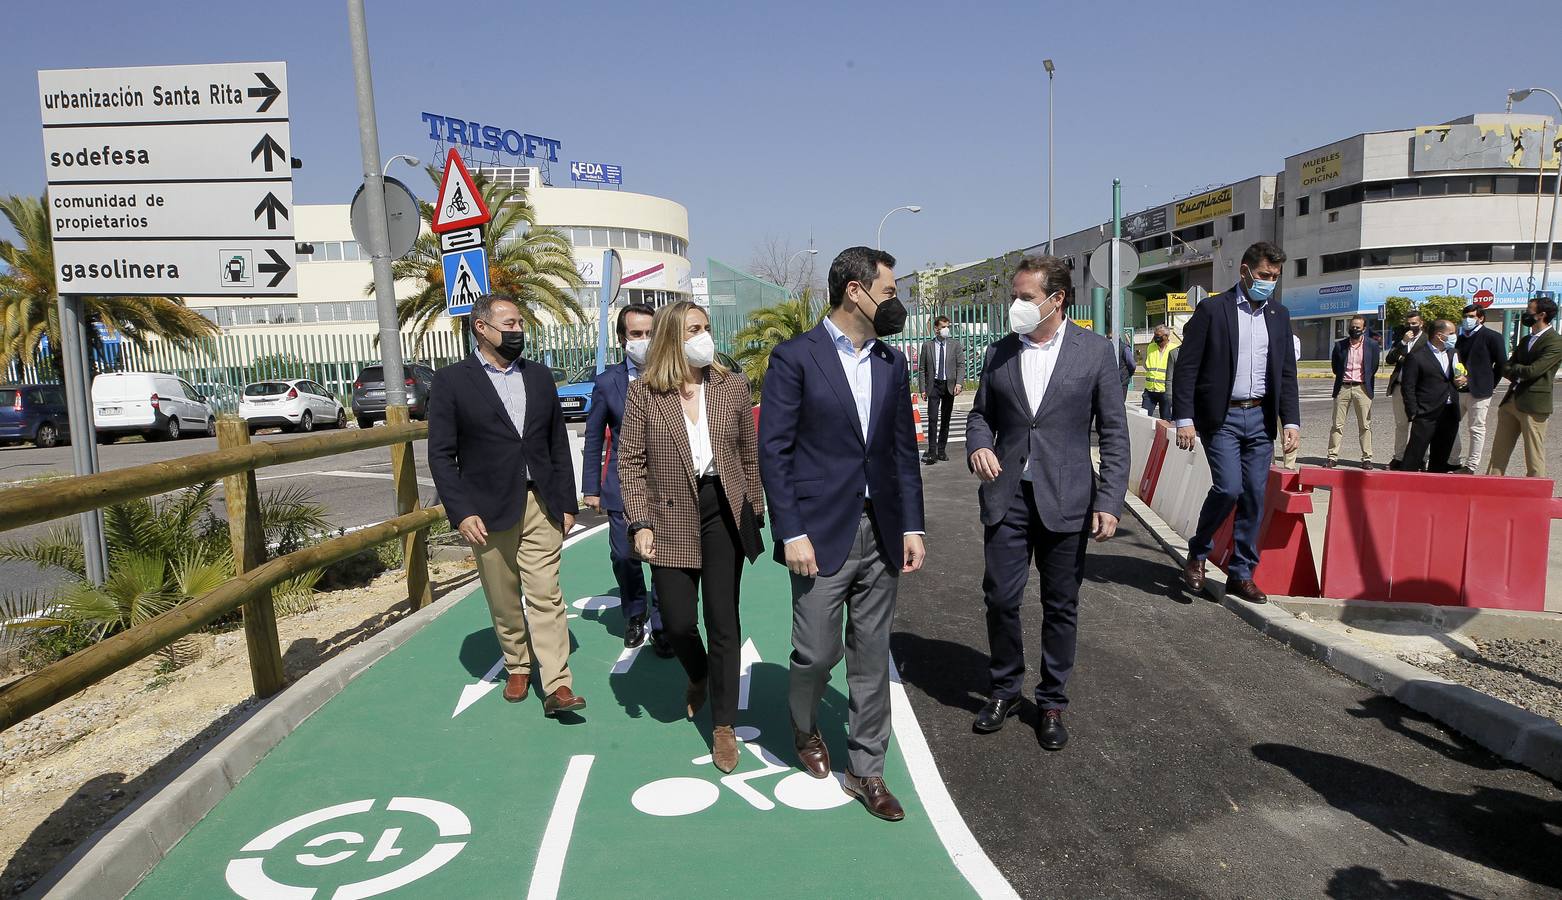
(656, 468)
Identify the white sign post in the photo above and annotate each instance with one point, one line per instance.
(163, 181)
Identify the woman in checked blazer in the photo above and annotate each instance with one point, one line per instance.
(688, 463)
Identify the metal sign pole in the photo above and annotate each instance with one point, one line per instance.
(1117, 275)
(76, 369)
(374, 197)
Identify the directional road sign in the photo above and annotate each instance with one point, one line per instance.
(466, 279)
(170, 180)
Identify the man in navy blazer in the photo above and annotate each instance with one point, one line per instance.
(1355, 363)
(1042, 390)
(838, 456)
(601, 492)
(1235, 379)
(501, 462)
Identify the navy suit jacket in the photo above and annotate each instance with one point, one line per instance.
(608, 394)
(1084, 392)
(1369, 363)
(476, 457)
(1207, 366)
(814, 462)
(1484, 358)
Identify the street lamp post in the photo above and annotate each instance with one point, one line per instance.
(1556, 199)
(411, 161)
(1047, 64)
(788, 267)
(914, 209)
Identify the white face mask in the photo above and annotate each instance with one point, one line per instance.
(637, 349)
(700, 350)
(1025, 316)
(943, 332)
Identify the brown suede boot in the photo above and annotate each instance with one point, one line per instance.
(724, 748)
(694, 697)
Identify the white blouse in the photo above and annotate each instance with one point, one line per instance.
(699, 438)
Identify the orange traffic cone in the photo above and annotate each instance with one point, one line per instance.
(916, 415)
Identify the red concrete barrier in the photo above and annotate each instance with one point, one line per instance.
(1285, 562)
(1152, 465)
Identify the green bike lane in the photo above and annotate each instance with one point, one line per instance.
(418, 780)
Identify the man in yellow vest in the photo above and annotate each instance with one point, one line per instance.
(1157, 400)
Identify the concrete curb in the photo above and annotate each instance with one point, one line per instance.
(115, 859)
(1513, 733)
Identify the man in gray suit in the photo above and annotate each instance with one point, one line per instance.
(1028, 439)
(940, 378)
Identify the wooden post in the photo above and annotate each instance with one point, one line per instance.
(414, 546)
(249, 551)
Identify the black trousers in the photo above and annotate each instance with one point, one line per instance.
(1009, 547)
(940, 406)
(1436, 431)
(679, 593)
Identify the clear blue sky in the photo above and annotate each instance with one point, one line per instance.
(810, 117)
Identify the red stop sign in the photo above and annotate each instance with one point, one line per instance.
(1484, 298)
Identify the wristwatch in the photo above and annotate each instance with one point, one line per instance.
(641, 525)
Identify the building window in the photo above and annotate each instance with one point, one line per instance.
(1339, 262)
(1301, 266)
(1302, 205)
(1237, 222)
(1334, 216)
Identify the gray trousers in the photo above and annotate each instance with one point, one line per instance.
(865, 589)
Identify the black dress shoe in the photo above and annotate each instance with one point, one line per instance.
(661, 646)
(943, 456)
(991, 717)
(928, 459)
(1050, 731)
(634, 631)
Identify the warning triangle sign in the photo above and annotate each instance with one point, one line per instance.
(459, 204)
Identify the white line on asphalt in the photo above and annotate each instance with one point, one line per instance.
(749, 656)
(958, 841)
(549, 870)
(337, 473)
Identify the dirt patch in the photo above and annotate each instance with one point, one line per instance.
(65, 772)
(1525, 673)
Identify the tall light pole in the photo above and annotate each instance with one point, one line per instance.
(788, 267)
(1047, 64)
(914, 209)
(411, 161)
(1556, 199)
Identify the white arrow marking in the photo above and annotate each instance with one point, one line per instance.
(626, 660)
(475, 692)
(746, 671)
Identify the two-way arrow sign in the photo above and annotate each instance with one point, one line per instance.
(278, 267)
(268, 90)
(271, 206)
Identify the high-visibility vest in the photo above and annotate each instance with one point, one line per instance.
(1155, 367)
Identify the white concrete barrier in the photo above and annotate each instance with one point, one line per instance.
(1141, 434)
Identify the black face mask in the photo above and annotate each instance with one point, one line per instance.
(511, 343)
(1529, 319)
(889, 318)
(1356, 332)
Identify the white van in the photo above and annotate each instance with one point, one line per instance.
(151, 404)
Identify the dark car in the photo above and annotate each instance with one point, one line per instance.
(33, 412)
(575, 391)
(369, 393)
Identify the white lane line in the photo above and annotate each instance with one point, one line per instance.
(338, 473)
(749, 656)
(958, 841)
(549, 870)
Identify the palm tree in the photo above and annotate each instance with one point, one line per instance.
(28, 308)
(768, 327)
(534, 265)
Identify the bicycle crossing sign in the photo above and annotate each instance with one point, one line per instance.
(466, 279)
(459, 204)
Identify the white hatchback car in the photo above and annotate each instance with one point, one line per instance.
(296, 404)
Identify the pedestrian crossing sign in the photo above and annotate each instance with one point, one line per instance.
(466, 279)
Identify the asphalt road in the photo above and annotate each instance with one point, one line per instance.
(1206, 760)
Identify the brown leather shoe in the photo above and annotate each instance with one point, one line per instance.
(724, 748)
(812, 753)
(1246, 590)
(562, 700)
(694, 698)
(874, 795)
(516, 687)
(1193, 575)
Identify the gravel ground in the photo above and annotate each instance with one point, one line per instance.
(1524, 673)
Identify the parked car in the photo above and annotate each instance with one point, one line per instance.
(222, 398)
(296, 404)
(369, 393)
(155, 405)
(33, 412)
(575, 391)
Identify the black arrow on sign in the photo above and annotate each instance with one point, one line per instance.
(270, 91)
(269, 146)
(278, 266)
(271, 206)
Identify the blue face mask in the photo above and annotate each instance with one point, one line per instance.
(1261, 291)
(1470, 324)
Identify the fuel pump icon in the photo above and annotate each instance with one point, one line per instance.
(235, 269)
